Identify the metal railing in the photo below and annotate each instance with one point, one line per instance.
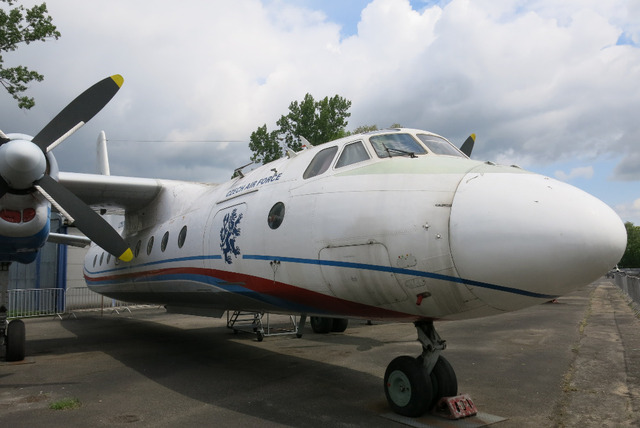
(37, 302)
(79, 298)
(630, 284)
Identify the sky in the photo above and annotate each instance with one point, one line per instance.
(553, 87)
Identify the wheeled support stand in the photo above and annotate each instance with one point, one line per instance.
(413, 385)
(301, 323)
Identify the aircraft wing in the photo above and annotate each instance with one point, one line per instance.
(111, 192)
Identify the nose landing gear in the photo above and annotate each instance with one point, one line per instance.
(12, 334)
(413, 385)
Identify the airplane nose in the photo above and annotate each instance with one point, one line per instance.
(518, 236)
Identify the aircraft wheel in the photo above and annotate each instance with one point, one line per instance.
(260, 336)
(444, 379)
(321, 325)
(15, 341)
(339, 325)
(409, 391)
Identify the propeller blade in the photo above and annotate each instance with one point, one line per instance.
(3, 138)
(78, 112)
(467, 146)
(87, 220)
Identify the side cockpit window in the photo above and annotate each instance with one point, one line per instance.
(440, 146)
(321, 162)
(391, 145)
(352, 153)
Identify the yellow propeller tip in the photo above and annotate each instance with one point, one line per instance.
(118, 79)
(127, 256)
(473, 136)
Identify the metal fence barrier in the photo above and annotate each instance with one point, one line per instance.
(36, 302)
(630, 284)
(78, 298)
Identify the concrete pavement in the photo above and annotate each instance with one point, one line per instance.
(571, 363)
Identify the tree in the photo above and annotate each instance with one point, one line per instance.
(316, 121)
(370, 128)
(299, 122)
(364, 128)
(631, 257)
(264, 145)
(331, 119)
(19, 25)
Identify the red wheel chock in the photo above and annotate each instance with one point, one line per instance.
(457, 407)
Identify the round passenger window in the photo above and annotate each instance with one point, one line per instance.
(150, 245)
(182, 236)
(137, 250)
(165, 239)
(276, 215)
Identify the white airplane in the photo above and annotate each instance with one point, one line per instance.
(396, 224)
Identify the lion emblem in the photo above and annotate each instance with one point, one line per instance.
(228, 234)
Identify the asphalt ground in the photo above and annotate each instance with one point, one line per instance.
(571, 363)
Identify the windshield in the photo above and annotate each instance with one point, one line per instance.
(439, 146)
(389, 145)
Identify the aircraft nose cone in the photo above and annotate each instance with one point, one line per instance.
(517, 236)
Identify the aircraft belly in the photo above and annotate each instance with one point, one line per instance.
(186, 294)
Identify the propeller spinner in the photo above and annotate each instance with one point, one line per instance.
(23, 165)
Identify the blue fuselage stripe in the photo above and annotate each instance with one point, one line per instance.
(401, 271)
(341, 264)
(154, 263)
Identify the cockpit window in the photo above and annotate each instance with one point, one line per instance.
(352, 153)
(320, 162)
(439, 146)
(389, 145)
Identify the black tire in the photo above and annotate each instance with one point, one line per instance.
(340, 325)
(321, 325)
(408, 390)
(444, 378)
(16, 340)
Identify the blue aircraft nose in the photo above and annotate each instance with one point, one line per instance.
(517, 236)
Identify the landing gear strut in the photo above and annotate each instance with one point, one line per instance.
(12, 334)
(414, 385)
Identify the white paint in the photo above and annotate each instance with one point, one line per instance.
(489, 227)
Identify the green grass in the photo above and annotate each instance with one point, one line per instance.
(65, 404)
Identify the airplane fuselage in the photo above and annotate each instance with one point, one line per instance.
(369, 234)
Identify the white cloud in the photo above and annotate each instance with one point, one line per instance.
(538, 81)
(629, 168)
(629, 211)
(580, 172)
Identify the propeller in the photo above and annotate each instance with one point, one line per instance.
(24, 167)
(467, 146)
